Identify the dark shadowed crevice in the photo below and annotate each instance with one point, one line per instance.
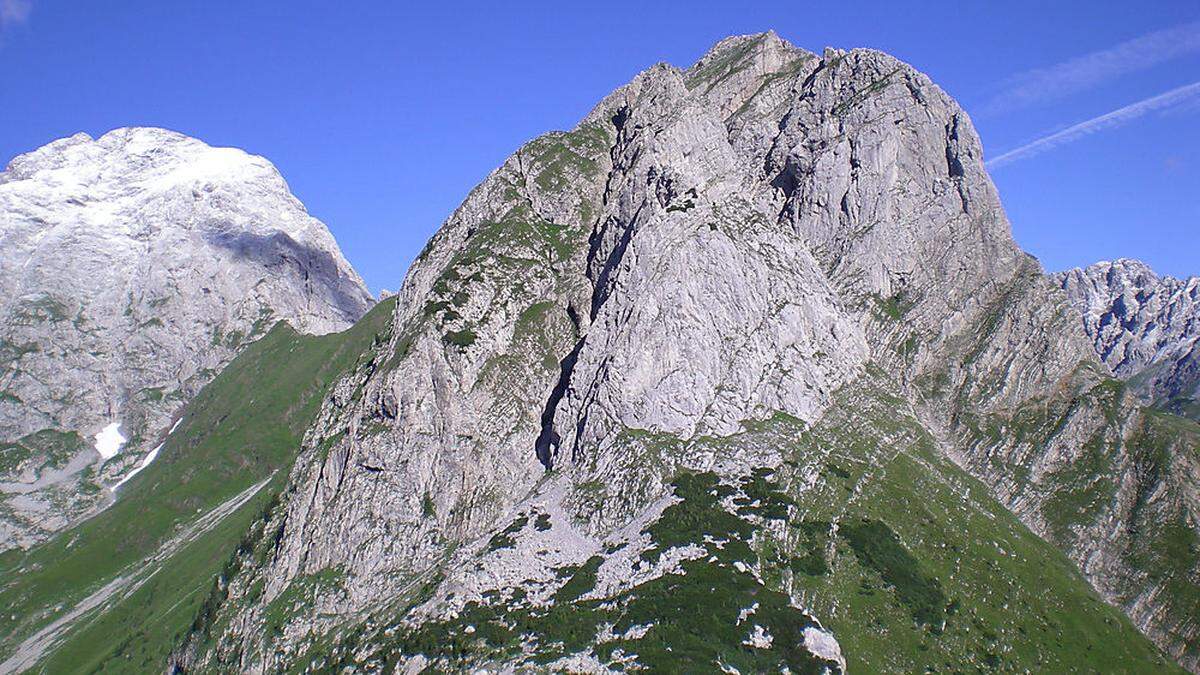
(822, 65)
(596, 239)
(602, 288)
(954, 165)
(601, 292)
(573, 315)
(548, 440)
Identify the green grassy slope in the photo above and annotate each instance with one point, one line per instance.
(925, 570)
(1136, 465)
(1184, 407)
(244, 427)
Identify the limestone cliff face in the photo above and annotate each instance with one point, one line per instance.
(132, 268)
(754, 239)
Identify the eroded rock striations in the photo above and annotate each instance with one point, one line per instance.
(1145, 327)
(759, 326)
(132, 268)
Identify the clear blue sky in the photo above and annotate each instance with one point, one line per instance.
(382, 116)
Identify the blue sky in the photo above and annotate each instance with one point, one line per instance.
(382, 116)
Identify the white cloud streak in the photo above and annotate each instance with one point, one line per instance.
(13, 12)
(1187, 94)
(1091, 70)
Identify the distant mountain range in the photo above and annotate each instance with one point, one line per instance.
(744, 373)
(1145, 327)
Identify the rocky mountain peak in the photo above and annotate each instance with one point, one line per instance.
(762, 52)
(767, 241)
(740, 373)
(147, 164)
(1144, 326)
(132, 268)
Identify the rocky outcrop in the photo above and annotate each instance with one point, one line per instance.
(766, 240)
(132, 268)
(1145, 327)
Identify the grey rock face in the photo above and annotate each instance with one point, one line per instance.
(710, 247)
(1145, 327)
(132, 268)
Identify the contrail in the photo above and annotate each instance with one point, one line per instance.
(1109, 120)
(1091, 70)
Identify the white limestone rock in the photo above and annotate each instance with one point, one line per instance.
(132, 268)
(709, 248)
(1146, 327)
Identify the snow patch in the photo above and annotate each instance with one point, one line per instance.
(207, 165)
(110, 440)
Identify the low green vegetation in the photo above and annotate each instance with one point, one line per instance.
(1082, 490)
(685, 621)
(561, 157)
(1182, 406)
(916, 568)
(857, 98)
(878, 548)
(582, 580)
(12, 352)
(912, 564)
(812, 540)
(1108, 449)
(695, 516)
(460, 338)
(724, 65)
(504, 538)
(226, 443)
(763, 497)
(297, 599)
(41, 309)
(893, 307)
(1165, 545)
(42, 450)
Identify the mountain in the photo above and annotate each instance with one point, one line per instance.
(120, 589)
(757, 325)
(744, 373)
(133, 267)
(1145, 327)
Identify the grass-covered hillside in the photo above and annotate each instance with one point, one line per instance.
(118, 591)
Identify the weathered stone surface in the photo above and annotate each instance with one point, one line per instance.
(132, 268)
(1145, 327)
(709, 249)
